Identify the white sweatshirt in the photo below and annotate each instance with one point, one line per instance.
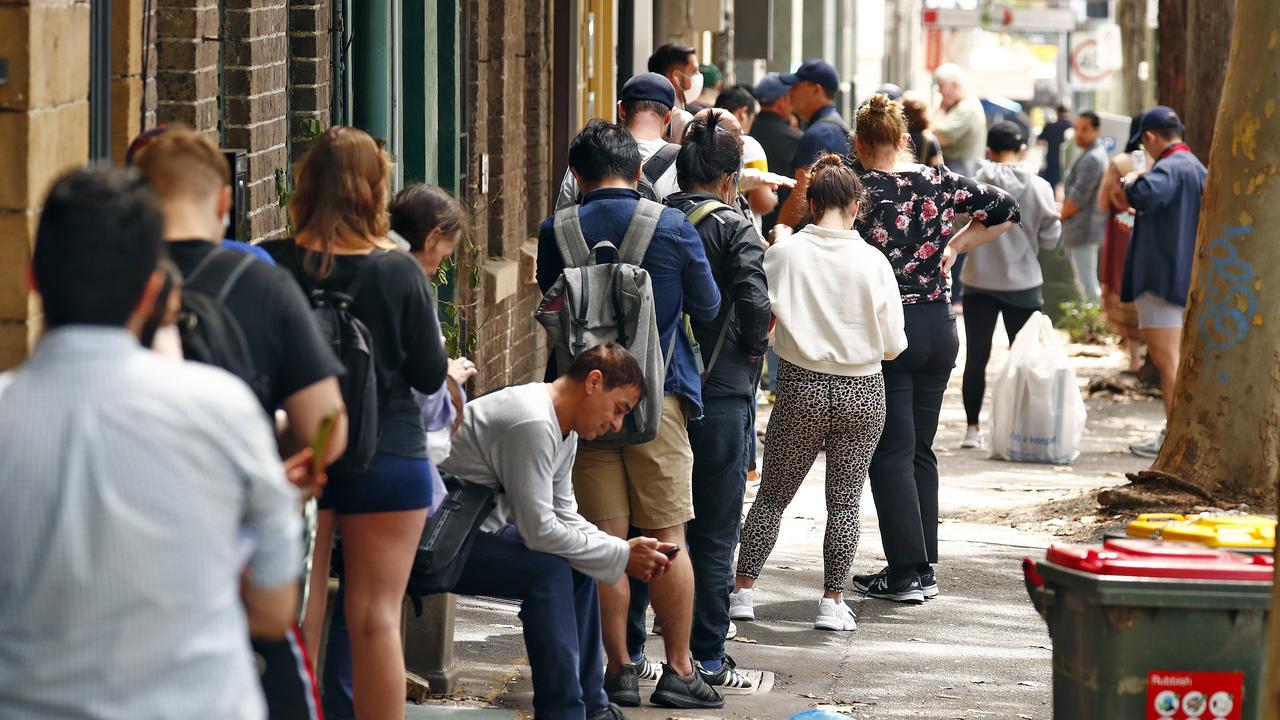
(836, 301)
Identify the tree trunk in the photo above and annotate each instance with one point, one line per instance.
(1208, 43)
(1224, 434)
(1171, 67)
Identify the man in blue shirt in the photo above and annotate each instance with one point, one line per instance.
(1157, 270)
(813, 95)
(649, 485)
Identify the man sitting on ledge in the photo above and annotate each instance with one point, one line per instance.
(534, 547)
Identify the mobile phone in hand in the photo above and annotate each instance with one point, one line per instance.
(320, 445)
(672, 552)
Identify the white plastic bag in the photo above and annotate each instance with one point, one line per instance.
(1038, 414)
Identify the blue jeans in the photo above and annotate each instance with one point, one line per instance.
(560, 611)
(1084, 263)
(721, 441)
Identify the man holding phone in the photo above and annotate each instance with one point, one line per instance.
(535, 547)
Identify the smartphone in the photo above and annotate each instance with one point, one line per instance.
(320, 446)
(672, 552)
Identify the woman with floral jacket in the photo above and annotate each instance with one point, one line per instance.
(915, 216)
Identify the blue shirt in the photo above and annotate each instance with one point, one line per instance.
(677, 267)
(822, 136)
(1167, 200)
(254, 250)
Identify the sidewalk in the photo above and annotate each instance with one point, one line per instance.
(978, 651)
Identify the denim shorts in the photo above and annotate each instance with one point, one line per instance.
(391, 483)
(1154, 312)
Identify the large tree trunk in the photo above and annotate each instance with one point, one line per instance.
(1209, 24)
(1171, 65)
(1224, 434)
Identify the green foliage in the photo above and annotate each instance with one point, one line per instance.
(456, 342)
(1084, 322)
(312, 129)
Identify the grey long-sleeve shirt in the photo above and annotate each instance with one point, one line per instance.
(511, 439)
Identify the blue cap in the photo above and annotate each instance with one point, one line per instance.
(1159, 117)
(649, 86)
(893, 91)
(816, 71)
(771, 87)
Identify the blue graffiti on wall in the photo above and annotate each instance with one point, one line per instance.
(1229, 300)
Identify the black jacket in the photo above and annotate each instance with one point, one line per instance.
(736, 255)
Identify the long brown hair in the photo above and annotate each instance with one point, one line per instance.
(341, 195)
(881, 122)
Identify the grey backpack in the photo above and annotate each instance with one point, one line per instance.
(604, 296)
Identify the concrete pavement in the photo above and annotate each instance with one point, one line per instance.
(977, 651)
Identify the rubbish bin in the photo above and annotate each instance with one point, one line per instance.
(1157, 630)
(1240, 533)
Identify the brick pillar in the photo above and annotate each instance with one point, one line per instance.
(44, 130)
(187, 51)
(133, 73)
(255, 115)
(310, 68)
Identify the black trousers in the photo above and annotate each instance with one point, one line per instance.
(904, 470)
(980, 311)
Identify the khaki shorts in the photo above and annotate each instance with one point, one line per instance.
(652, 483)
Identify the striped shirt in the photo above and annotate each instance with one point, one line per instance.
(125, 480)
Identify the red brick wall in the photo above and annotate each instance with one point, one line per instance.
(310, 69)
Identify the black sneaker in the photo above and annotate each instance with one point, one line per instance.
(624, 688)
(727, 680)
(929, 584)
(674, 691)
(608, 712)
(882, 587)
(862, 583)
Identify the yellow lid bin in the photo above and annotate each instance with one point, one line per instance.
(1230, 532)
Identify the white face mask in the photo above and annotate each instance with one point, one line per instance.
(695, 88)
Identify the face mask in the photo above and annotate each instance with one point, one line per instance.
(695, 88)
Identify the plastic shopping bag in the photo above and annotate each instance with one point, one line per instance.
(1038, 414)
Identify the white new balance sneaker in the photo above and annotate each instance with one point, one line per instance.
(740, 607)
(834, 615)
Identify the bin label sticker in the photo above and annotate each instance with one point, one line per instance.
(1179, 695)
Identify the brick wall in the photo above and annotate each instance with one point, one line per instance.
(133, 72)
(509, 100)
(310, 69)
(256, 102)
(187, 52)
(44, 130)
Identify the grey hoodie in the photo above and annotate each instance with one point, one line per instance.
(1010, 261)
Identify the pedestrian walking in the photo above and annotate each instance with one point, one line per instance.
(910, 216)
(1002, 278)
(1083, 221)
(732, 346)
(148, 524)
(678, 63)
(1163, 247)
(813, 92)
(647, 485)
(1052, 137)
(341, 246)
(831, 391)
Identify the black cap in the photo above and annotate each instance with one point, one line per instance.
(1159, 117)
(816, 71)
(649, 86)
(1005, 136)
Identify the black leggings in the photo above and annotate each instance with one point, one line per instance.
(980, 311)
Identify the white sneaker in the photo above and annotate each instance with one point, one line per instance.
(834, 615)
(732, 632)
(740, 607)
(972, 439)
(1149, 448)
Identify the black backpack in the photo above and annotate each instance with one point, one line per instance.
(210, 332)
(352, 343)
(654, 168)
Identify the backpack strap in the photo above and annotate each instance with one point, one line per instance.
(218, 272)
(705, 209)
(658, 164)
(644, 222)
(569, 238)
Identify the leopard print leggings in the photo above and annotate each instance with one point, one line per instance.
(814, 410)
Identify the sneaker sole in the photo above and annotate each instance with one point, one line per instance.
(930, 592)
(914, 597)
(1145, 454)
(970, 446)
(747, 614)
(626, 699)
(662, 698)
(833, 627)
(723, 690)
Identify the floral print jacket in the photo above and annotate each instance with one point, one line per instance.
(911, 216)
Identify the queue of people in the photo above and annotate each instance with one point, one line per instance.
(252, 382)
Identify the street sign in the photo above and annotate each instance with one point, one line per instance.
(1095, 56)
(999, 18)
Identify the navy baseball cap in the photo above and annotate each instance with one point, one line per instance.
(649, 86)
(1159, 117)
(771, 87)
(816, 71)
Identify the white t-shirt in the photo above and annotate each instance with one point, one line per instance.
(753, 157)
(666, 184)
